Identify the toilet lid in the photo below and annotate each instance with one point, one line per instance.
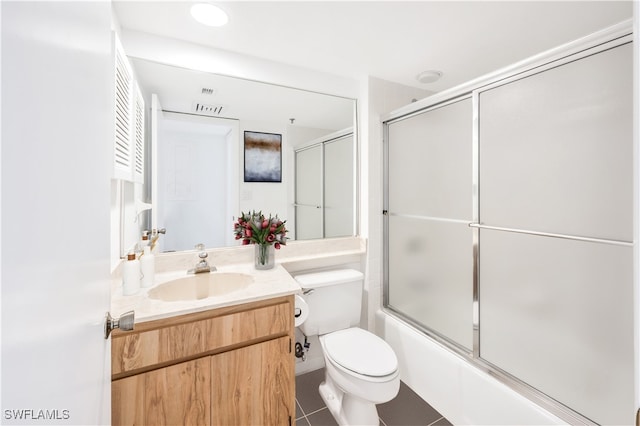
(361, 352)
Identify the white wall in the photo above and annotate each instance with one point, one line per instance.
(268, 197)
(380, 97)
(636, 204)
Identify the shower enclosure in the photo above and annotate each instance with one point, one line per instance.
(509, 227)
(325, 180)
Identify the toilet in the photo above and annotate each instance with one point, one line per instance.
(361, 369)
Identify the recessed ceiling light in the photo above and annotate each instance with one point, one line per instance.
(209, 14)
(429, 76)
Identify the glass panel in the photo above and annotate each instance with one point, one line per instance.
(338, 188)
(431, 275)
(556, 152)
(430, 163)
(309, 193)
(558, 314)
(308, 223)
(430, 261)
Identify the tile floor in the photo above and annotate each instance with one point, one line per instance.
(407, 409)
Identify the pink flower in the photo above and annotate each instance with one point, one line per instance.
(254, 228)
(277, 246)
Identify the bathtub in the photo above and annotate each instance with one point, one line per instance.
(461, 392)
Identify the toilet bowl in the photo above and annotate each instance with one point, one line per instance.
(361, 369)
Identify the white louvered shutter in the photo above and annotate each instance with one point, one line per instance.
(123, 149)
(138, 136)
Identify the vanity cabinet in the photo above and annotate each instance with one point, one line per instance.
(226, 366)
(178, 394)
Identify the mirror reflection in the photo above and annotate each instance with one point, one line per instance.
(195, 179)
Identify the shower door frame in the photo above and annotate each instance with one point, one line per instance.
(598, 42)
(321, 143)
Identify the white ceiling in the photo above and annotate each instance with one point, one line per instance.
(391, 40)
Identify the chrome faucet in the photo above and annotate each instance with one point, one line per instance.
(202, 265)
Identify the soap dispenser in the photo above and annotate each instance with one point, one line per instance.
(131, 275)
(147, 267)
(144, 241)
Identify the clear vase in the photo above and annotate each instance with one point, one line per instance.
(265, 256)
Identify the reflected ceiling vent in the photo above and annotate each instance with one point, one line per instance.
(201, 108)
(207, 91)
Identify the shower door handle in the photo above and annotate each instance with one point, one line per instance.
(306, 205)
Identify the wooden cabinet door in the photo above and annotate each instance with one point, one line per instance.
(175, 395)
(254, 385)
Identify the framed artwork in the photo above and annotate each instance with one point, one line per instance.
(262, 157)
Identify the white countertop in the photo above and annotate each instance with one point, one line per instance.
(295, 256)
(267, 284)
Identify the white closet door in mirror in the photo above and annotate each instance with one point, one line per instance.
(194, 187)
(338, 188)
(309, 193)
(556, 149)
(558, 315)
(430, 163)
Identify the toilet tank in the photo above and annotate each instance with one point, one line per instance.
(335, 302)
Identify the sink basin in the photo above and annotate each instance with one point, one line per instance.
(200, 286)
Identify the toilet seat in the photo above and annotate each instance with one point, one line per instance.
(360, 352)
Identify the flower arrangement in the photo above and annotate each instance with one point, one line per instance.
(255, 228)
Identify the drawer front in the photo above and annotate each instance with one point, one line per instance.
(168, 344)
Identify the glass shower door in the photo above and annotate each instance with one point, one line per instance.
(308, 191)
(510, 229)
(339, 188)
(556, 236)
(430, 206)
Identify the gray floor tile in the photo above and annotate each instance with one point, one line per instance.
(302, 422)
(407, 409)
(322, 418)
(441, 422)
(307, 392)
(299, 412)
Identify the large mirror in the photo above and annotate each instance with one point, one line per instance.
(198, 180)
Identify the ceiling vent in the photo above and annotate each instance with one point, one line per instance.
(201, 108)
(207, 91)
